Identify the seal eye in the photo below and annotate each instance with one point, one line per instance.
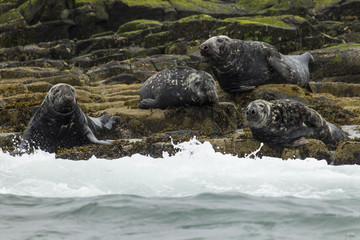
(261, 105)
(220, 40)
(57, 90)
(73, 90)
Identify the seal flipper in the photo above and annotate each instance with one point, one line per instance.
(148, 103)
(309, 88)
(337, 134)
(281, 68)
(92, 138)
(241, 89)
(297, 143)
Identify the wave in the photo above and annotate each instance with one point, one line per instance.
(195, 169)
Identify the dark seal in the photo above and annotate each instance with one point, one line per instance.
(242, 65)
(60, 123)
(287, 121)
(178, 86)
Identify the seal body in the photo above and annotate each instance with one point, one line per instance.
(178, 86)
(60, 123)
(285, 121)
(242, 65)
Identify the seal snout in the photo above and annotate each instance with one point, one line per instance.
(250, 112)
(204, 47)
(68, 100)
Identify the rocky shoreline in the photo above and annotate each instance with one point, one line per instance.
(107, 49)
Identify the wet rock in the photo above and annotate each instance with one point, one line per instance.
(340, 10)
(62, 49)
(339, 89)
(347, 153)
(313, 149)
(242, 147)
(340, 60)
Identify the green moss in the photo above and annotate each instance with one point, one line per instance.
(139, 24)
(338, 59)
(152, 3)
(345, 46)
(13, 14)
(270, 21)
(199, 17)
(103, 34)
(259, 5)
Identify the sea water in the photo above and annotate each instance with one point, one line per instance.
(196, 194)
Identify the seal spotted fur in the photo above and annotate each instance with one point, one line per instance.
(286, 121)
(178, 86)
(242, 65)
(60, 123)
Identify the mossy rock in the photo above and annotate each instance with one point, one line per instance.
(241, 147)
(138, 24)
(339, 60)
(338, 89)
(347, 153)
(273, 7)
(11, 16)
(313, 149)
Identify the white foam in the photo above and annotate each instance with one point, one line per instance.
(196, 169)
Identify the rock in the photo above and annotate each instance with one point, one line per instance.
(347, 153)
(242, 147)
(313, 149)
(341, 60)
(339, 89)
(340, 10)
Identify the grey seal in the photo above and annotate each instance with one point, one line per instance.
(243, 65)
(286, 121)
(178, 86)
(60, 123)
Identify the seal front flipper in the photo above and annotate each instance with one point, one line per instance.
(281, 68)
(297, 143)
(92, 138)
(148, 103)
(309, 88)
(241, 89)
(106, 121)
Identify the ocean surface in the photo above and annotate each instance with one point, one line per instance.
(196, 194)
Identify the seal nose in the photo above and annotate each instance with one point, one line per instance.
(68, 100)
(250, 112)
(204, 47)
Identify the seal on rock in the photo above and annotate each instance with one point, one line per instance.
(243, 65)
(286, 121)
(60, 123)
(178, 86)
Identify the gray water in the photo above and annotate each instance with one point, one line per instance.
(196, 194)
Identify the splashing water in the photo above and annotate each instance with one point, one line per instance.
(195, 169)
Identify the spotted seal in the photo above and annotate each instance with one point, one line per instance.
(178, 86)
(60, 123)
(286, 121)
(242, 65)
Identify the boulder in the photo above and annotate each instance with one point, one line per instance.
(347, 153)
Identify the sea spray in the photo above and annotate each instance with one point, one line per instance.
(195, 169)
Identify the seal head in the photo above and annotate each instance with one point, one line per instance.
(257, 113)
(216, 49)
(62, 98)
